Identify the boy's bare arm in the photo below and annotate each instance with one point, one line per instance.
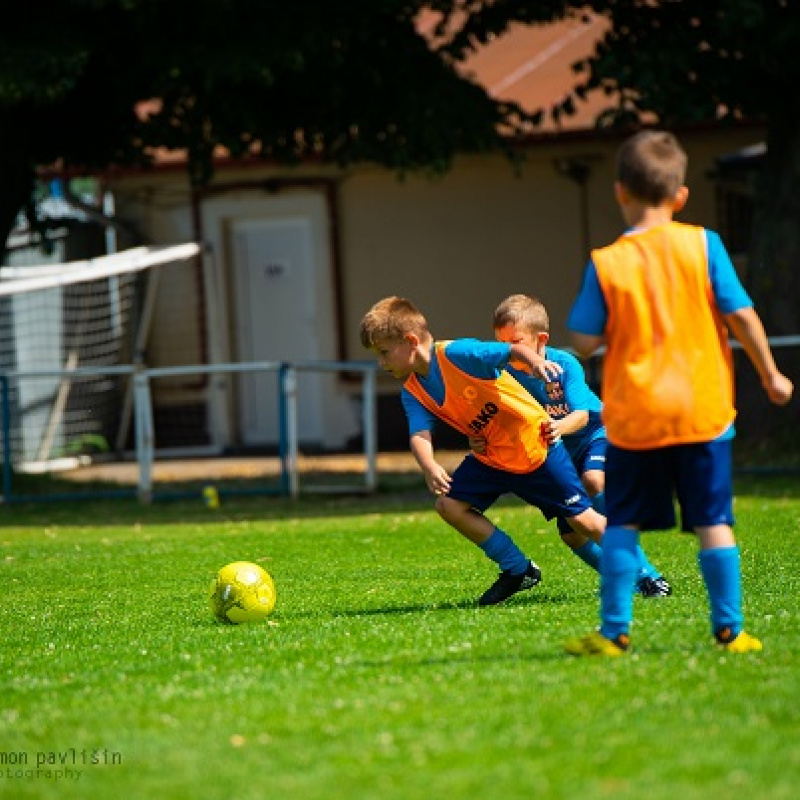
(746, 326)
(553, 430)
(572, 423)
(539, 367)
(436, 476)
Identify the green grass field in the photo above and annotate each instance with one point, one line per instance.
(376, 676)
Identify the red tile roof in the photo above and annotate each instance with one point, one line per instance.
(532, 66)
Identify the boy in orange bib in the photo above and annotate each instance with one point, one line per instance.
(663, 297)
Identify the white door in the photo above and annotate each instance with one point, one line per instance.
(275, 276)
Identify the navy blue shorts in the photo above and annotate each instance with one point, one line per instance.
(592, 457)
(554, 488)
(641, 485)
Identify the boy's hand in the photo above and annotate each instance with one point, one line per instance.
(538, 366)
(477, 444)
(547, 370)
(779, 389)
(551, 432)
(437, 479)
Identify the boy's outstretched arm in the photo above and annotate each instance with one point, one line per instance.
(574, 421)
(746, 326)
(436, 476)
(539, 367)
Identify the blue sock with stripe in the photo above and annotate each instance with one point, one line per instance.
(500, 548)
(619, 567)
(721, 571)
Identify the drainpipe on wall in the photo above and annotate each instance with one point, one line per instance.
(579, 170)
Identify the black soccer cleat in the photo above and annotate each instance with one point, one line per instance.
(508, 585)
(653, 587)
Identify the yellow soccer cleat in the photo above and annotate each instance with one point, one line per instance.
(742, 643)
(595, 644)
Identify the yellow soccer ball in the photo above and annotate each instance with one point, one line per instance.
(242, 592)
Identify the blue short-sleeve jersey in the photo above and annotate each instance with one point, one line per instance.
(564, 394)
(589, 313)
(483, 360)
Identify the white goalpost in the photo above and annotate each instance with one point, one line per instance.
(70, 337)
(118, 358)
(20, 280)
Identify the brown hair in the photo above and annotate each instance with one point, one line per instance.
(522, 310)
(389, 320)
(651, 165)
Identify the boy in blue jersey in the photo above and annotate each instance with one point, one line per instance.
(574, 410)
(465, 383)
(664, 297)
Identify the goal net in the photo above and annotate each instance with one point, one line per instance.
(70, 337)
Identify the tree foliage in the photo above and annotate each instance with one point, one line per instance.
(354, 81)
(340, 81)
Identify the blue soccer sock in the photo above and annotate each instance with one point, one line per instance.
(589, 553)
(619, 567)
(500, 547)
(646, 569)
(722, 575)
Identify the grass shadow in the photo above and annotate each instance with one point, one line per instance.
(520, 601)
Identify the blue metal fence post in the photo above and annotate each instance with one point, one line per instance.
(5, 423)
(283, 414)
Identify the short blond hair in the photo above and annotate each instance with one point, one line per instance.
(651, 165)
(522, 310)
(389, 320)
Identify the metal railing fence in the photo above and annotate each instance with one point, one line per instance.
(146, 450)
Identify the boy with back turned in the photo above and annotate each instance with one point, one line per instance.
(663, 298)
